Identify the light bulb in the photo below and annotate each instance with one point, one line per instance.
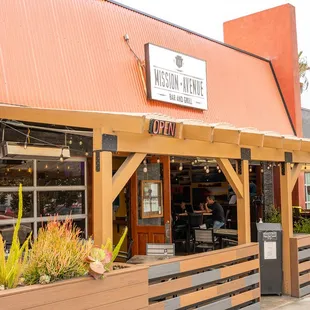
(250, 169)
(217, 167)
(25, 145)
(172, 159)
(70, 141)
(86, 153)
(262, 170)
(158, 160)
(68, 167)
(220, 170)
(181, 167)
(205, 167)
(81, 142)
(193, 163)
(144, 162)
(145, 169)
(30, 170)
(19, 170)
(46, 166)
(8, 169)
(207, 170)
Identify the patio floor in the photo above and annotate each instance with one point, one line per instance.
(284, 303)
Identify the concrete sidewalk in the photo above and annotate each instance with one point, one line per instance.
(284, 303)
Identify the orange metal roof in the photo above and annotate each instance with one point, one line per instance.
(72, 55)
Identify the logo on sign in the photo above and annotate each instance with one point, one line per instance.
(163, 128)
(179, 61)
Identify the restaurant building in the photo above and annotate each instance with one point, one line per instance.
(101, 103)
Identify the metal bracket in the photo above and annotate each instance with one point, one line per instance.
(239, 167)
(109, 143)
(245, 153)
(97, 153)
(283, 168)
(288, 157)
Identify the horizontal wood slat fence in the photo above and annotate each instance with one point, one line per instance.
(224, 279)
(300, 265)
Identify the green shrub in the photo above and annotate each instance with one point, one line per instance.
(12, 267)
(273, 216)
(302, 226)
(57, 253)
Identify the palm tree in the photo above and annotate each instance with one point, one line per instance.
(303, 68)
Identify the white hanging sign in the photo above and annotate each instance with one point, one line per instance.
(175, 78)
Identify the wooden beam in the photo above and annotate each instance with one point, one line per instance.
(231, 176)
(295, 174)
(102, 192)
(243, 206)
(124, 173)
(84, 119)
(287, 223)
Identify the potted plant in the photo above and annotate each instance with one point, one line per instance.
(55, 273)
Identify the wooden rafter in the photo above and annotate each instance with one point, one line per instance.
(295, 174)
(231, 176)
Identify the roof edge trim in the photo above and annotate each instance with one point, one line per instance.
(282, 97)
(187, 30)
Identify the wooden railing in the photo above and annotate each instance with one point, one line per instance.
(300, 265)
(221, 279)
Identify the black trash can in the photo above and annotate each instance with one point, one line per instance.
(269, 237)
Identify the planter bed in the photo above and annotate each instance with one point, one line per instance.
(124, 288)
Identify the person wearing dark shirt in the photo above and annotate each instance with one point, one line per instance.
(218, 218)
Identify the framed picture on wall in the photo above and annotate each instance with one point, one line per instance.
(151, 199)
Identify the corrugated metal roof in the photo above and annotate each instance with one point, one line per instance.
(72, 55)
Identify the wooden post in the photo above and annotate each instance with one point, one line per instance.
(287, 223)
(240, 185)
(243, 206)
(102, 191)
(288, 178)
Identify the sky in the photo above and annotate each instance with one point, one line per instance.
(207, 17)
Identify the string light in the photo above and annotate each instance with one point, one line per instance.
(219, 170)
(61, 159)
(207, 170)
(81, 142)
(68, 167)
(205, 167)
(70, 141)
(46, 166)
(250, 168)
(172, 159)
(181, 167)
(262, 170)
(218, 167)
(19, 170)
(145, 166)
(158, 160)
(86, 153)
(36, 139)
(30, 170)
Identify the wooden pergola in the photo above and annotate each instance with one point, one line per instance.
(129, 133)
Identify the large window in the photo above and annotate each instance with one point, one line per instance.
(307, 189)
(49, 188)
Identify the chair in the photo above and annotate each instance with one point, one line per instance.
(195, 220)
(204, 239)
(160, 249)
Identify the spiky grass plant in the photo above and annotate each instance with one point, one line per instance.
(12, 266)
(57, 254)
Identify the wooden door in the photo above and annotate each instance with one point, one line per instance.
(143, 234)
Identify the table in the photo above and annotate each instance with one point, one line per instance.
(144, 259)
(203, 212)
(221, 233)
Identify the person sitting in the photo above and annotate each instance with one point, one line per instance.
(218, 217)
